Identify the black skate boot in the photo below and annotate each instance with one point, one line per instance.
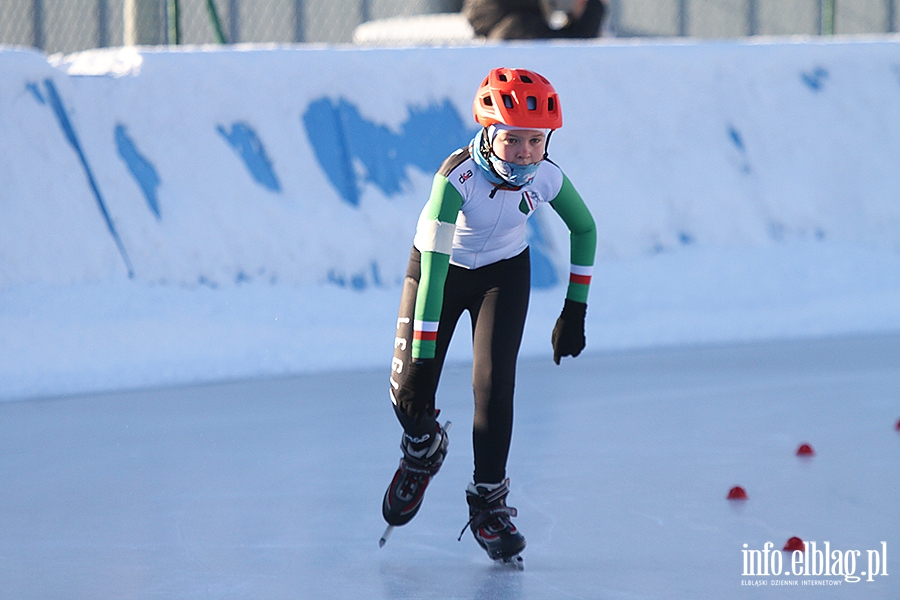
(421, 461)
(490, 522)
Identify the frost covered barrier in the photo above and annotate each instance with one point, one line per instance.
(205, 213)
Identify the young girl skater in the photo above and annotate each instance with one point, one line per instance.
(470, 254)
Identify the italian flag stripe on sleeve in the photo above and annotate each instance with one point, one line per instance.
(581, 274)
(579, 282)
(425, 331)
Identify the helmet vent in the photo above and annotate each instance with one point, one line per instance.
(487, 101)
(525, 79)
(551, 104)
(502, 77)
(508, 101)
(531, 101)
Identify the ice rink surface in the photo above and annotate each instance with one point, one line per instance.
(620, 467)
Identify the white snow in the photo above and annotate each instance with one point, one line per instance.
(115, 335)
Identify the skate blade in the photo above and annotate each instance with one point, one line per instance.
(390, 528)
(384, 536)
(511, 562)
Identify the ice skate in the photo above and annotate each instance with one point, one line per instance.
(421, 461)
(489, 520)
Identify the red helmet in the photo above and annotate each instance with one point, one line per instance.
(519, 98)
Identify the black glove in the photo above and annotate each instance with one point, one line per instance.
(568, 334)
(416, 395)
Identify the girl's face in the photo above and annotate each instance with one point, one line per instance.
(520, 146)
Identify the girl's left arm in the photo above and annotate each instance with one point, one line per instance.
(582, 239)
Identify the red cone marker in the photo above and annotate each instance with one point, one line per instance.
(794, 543)
(737, 493)
(805, 450)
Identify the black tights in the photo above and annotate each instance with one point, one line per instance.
(496, 297)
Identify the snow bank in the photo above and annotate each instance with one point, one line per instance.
(292, 177)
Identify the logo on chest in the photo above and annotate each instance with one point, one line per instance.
(529, 202)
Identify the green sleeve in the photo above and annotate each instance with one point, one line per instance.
(582, 239)
(434, 239)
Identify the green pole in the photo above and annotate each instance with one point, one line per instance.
(174, 19)
(827, 25)
(216, 23)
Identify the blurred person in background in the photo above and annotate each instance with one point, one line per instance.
(535, 19)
